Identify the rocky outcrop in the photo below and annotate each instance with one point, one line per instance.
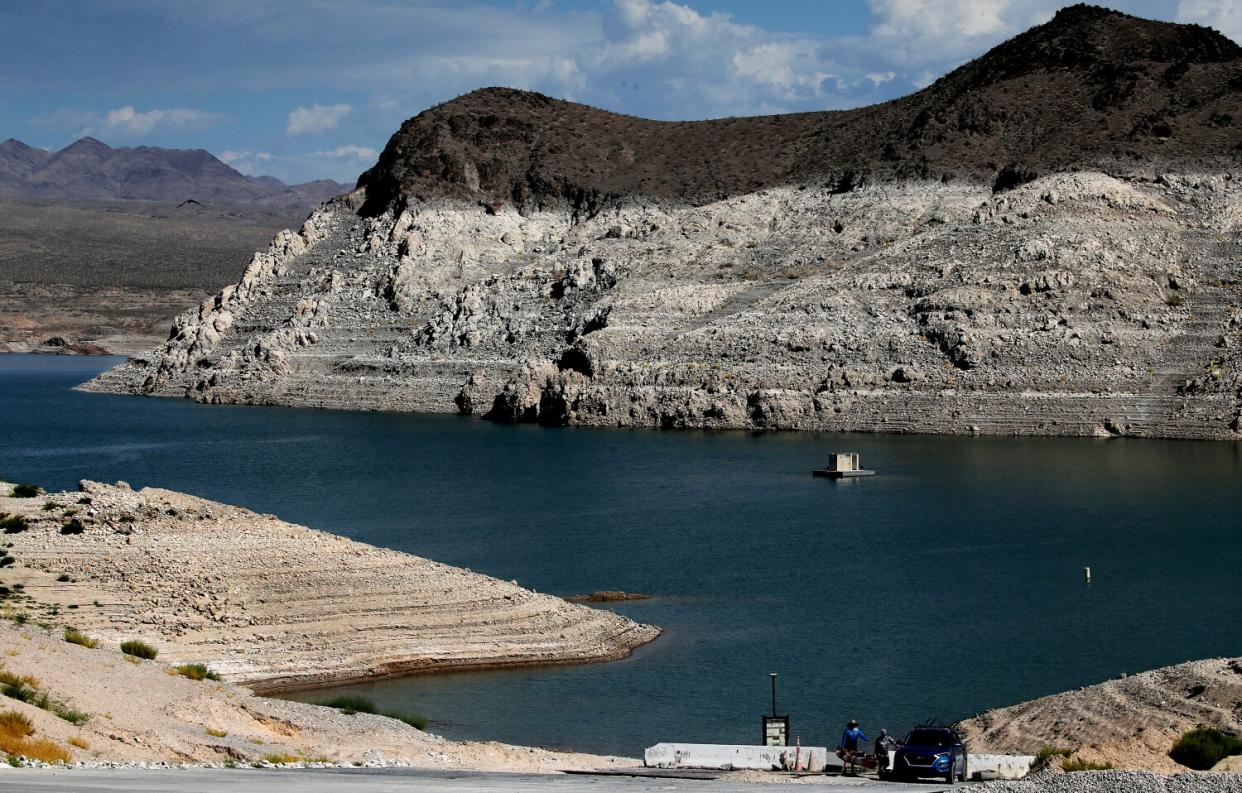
(1074, 304)
(274, 606)
(990, 255)
(1131, 722)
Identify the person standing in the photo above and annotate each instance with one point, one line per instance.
(851, 737)
(883, 745)
(847, 748)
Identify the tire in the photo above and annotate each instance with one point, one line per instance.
(951, 777)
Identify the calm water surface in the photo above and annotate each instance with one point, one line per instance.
(949, 584)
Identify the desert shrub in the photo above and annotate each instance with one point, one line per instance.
(1048, 752)
(214, 733)
(1174, 301)
(15, 725)
(1203, 748)
(63, 578)
(197, 672)
(48, 506)
(18, 689)
(40, 749)
(1075, 764)
(415, 720)
(71, 715)
(139, 649)
(74, 526)
(6, 560)
(12, 524)
(277, 758)
(75, 636)
(1045, 756)
(79, 742)
(26, 491)
(349, 704)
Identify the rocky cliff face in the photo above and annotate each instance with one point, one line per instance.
(530, 260)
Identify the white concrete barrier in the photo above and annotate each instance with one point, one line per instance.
(999, 766)
(730, 756)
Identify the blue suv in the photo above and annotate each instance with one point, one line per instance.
(931, 751)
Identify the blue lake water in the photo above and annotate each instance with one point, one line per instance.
(950, 583)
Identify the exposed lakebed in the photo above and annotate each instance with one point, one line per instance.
(950, 583)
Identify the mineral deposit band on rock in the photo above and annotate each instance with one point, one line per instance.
(276, 606)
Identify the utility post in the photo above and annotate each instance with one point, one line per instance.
(775, 728)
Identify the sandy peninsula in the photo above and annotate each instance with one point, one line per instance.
(272, 605)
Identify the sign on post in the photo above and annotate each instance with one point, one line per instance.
(775, 730)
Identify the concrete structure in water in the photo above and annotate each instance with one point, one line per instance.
(842, 465)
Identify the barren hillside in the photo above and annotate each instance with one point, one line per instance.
(1046, 241)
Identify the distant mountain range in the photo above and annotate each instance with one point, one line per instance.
(90, 170)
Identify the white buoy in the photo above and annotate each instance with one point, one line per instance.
(1086, 571)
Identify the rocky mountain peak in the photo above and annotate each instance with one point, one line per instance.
(1090, 88)
(86, 146)
(1090, 39)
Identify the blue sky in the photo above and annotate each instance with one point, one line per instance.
(313, 89)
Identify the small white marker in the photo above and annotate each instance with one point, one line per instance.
(1087, 573)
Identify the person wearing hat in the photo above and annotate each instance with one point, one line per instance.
(848, 746)
(851, 737)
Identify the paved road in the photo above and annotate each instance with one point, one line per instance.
(378, 780)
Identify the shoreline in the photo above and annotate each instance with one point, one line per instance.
(267, 689)
(279, 607)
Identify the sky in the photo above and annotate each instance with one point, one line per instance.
(313, 89)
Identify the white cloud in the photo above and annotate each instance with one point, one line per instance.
(127, 122)
(316, 118)
(916, 33)
(348, 151)
(1224, 15)
(342, 163)
(232, 156)
(251, 163)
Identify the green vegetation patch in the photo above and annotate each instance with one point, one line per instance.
(26, 689)
(139, 649)
(13, 524)
(26, 491)
(1074, 764)
(73, 526)
(197, 672)
(75, 636)
(1203, 748)
(349, 704)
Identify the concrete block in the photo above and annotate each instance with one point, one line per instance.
(999, 766)
(730, 756)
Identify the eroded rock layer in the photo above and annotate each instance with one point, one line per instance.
(1131, 722)
(1074, 304)
(273, 605)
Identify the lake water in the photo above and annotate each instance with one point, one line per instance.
(950, 583)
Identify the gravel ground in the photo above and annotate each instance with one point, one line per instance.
(1118, 782)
